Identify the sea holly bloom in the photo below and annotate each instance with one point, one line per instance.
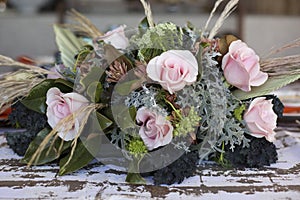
(173, 69)
(261, 119)
(155, 129)
(241, 67)
(116, 38)
(60, 106)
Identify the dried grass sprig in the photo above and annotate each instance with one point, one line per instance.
(287, 65)
(84, 26)
(229, 8)
(17, 85)
(292, 44)
(65, 124)
(148, 12)
(8, 62)
(212, 13)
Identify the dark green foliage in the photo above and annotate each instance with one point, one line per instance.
(183, 167)
(260, 153)
(20, 141)
(22, 117)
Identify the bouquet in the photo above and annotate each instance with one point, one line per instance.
(158, 100)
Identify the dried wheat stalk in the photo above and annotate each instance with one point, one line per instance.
(282, 65)
(65, 124)
(84, 25)
(148, 12)
(229, 8)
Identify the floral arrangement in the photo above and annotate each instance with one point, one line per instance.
(158, 100)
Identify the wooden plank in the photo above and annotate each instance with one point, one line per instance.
(280, 181)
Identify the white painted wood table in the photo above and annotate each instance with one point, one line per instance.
(280, 181)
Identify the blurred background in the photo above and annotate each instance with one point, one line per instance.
(26, 25)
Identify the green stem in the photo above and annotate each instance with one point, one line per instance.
(175, 110)
(221, 159)
(133, 175)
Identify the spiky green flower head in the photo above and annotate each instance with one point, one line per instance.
(137, 148)
(187, 124)
(239, 111)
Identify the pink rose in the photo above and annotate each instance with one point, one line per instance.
(241, 67)
(261, 119)
(173, 69)
(61, 105)
(155, 130)
(116, 38)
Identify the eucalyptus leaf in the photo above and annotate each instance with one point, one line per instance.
(272, 84)
(94, 75)
(36, 100)
(103, 121)
(45, 156)
(126, 87)
(94, 91)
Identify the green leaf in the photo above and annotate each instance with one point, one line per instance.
(112, 54)
(143, 26)
(104, 122)
(135, 178)
(68, 44)
(126, 87)
(272, 84)
(36, 100)
(133, 175)
(81, 157)
(94, 91)
(124, 116)
(64, 82)
(149, 53)
(94, 75)
(45, 157)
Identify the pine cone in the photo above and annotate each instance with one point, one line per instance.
(116, 71)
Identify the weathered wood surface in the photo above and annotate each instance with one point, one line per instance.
(280, 181)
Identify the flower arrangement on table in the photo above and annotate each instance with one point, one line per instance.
(156, 100)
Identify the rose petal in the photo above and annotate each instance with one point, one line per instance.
(261, 119)
(155, 130)
(173, 69)
(241, 67)
(237, 75)
(60, 106)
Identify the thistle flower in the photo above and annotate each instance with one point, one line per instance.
(116, 72)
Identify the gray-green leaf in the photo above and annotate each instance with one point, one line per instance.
(272, 84)
(68, 44)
